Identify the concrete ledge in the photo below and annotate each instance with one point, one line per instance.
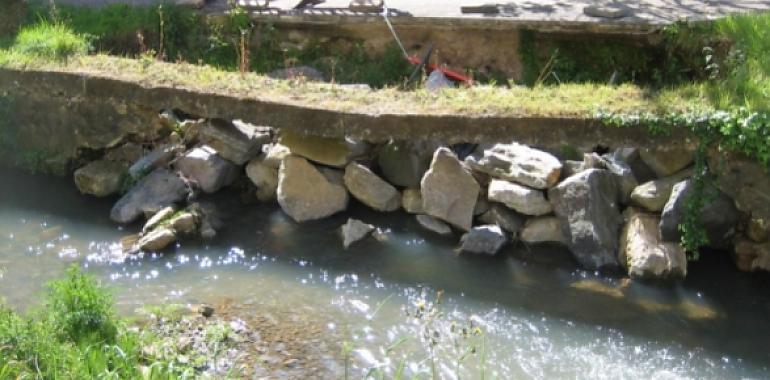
(546, 132)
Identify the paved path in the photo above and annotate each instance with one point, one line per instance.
(644, 12)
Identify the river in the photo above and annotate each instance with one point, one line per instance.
(540, 317)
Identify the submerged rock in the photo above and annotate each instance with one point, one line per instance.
(666, 161)
(518, 163)
(587, 207)
(157, 239)
(237, 142)
(434, 225)
(449, 191)
(264, 177)
(719, 217)
(644, 254)
(523, 199)
(504, 217)
(653, 195)
(411, 201)
(157, 218)
(205, 169)
(159, 189)
(485, 240)
(100, 178)
(307, 193)
(353, 231)
(543, 229)
(404, 163)
(370, 189)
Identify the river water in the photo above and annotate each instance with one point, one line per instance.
(538, 315)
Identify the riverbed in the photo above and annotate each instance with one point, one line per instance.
(529, 312)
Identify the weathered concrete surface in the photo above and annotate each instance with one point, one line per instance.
(74, 100)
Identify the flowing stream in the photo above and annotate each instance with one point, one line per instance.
(540, 316)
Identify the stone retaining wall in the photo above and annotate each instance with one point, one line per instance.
(615, 200)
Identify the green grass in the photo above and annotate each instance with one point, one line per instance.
(50, 41)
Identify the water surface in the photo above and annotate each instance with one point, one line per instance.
(541, 316)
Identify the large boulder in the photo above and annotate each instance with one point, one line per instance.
(370, 189)
(411, 201)
(486, 240)
(523, 199)
(504, 217)
(517, 163)
(100, 178)
(615, 165)
(157, 190)
(587, 206)
(719, 217)
(404, 163)
(543, 229)
(307, 193)
(747, 182)
(330, 151)
(434, 225)
(237, 142)
(353, 231)
(653, 195)
(644, 254)
(449, 191)
(667, 161)
(205, 169)
(264, 177)
(157, 158)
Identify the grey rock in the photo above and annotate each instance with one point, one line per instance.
(434, 225)
(307, 193)
(449, 191)
(485, 240)
(625, 176)
(518, 163)
(411, 201)
(237, 142)
(184, 223)
(370, 189)
(523, 199)
(653, 195)
(100, 178)
(611, 11)
(157, 218)
(205, 169)
(750, 256)
(543, 229)
(482, 204)
(157, 239)
(264, 177)
(504, 217)
(404, 163)
(746, 181)
(274, 154)
(587, 206)
(128, 153)
(157, 190)
(330, 151)
(570, 168)
(157, 158)
(644, 254)
(719, 217)
(666, 161)
(353, 231)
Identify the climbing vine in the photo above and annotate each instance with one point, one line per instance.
(739, 130)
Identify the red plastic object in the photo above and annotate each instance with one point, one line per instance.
(454, 75)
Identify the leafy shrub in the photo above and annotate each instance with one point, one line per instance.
(80, 309)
